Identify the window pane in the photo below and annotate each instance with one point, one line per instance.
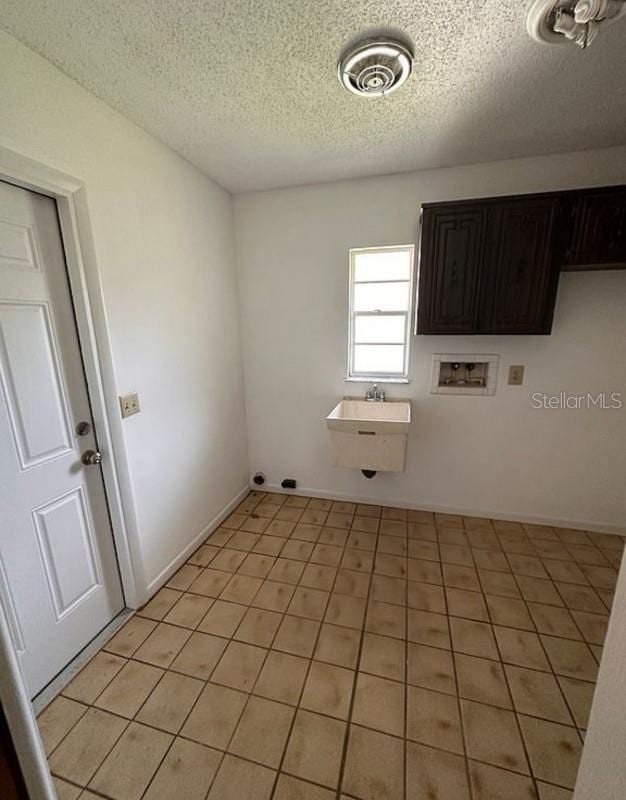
(381, 296)
(384, 265)
(379, 329)
(379, 359)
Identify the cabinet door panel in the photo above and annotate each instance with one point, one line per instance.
(450, 260)
(599, 235)
(519, 292)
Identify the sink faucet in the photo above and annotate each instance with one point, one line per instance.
(374, 395)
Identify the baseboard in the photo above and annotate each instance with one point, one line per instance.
(180, 559)
(534, 519)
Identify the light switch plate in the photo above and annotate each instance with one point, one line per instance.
(129, 405)
(516, 375)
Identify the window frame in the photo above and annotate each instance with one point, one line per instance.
(389, 377)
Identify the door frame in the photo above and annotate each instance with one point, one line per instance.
(85, 284)
(94, 340)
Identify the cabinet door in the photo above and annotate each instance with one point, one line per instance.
(599, 230)
(450, 259)
(521, 271)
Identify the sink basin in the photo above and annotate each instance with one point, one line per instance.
(353, 415)
(369, 436)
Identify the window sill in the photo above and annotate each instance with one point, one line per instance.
(374, 379)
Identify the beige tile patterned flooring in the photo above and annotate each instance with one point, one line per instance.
(312, 650)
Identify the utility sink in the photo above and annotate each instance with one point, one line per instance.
(369, 436)
(390, 416)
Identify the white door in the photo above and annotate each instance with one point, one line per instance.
(59, 579)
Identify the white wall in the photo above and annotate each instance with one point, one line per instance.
(164, 243)
(602, 771)
(493, 455)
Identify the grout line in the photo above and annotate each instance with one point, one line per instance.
(64, 737)
(320, 713)
(236, 725)
(306, 677)
(390, 559)
(346, 738)
(458, 686)
(188, 738)
(514, 709)
(191, 709)
(405, 783)
(108, 752)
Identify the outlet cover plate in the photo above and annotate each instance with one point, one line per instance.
(129, 405)
(516, 375)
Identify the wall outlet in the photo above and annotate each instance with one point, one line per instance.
(129, 405)
(516, 375)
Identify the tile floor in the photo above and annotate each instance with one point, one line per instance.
(312, 650)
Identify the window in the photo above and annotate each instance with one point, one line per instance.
(381, 280)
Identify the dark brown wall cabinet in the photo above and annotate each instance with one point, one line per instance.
(518, 287)
(453, 244)
(487, 268)
(492, 266)
(598, 220)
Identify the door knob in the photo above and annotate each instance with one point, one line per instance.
(90, 458)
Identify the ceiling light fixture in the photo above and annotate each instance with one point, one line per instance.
(375, 67)
(578, 21)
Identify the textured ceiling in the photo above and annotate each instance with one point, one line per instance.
(247, 89)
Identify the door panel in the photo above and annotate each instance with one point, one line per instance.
(522, 274)
(18, 246)
(66, 543)
(450, 261)
(59, 580)
(31, 381)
